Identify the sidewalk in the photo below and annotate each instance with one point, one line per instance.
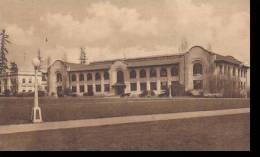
(8, 129)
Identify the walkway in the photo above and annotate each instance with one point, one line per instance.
(8, 129)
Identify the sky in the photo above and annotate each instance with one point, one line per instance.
(110, 29)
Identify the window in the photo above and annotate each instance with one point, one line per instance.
(197, 84)
(81, 77)
(175, 70)
(120, 77)
(164, 85)
(132, 74)
(74, 89)
(30, 91)
(197, 69)
(89, 76)
(163, 72)
(106, 75)
(59, 77)
(24, 80)
(30, 80)
(73, 77)
(24, 91)
(153, 73)
(133, 86)
(153, 85)
(241, 73)
(97, 76)
(98, 88)
(245, 73)
(142, 73)
(143, 86)
(107, 87)
(234, 71)
(238, 72)
(44, 77)
(81, 89)
(228, 70)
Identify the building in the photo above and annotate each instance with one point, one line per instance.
(195, 70)
(22, 82)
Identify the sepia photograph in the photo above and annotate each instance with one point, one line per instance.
(125, 75)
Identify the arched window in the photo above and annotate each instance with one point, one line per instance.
(106, 75)
(120, 77)
(81, 77)
(163, 72)
(197, 69)
(73, 77)
(89, 76)
(175, 70)
(153, 73)
(142, 73)
(59, 77)
(97, 76)
(132, 74)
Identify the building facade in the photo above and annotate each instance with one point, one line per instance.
(195, 70)
(22, 82)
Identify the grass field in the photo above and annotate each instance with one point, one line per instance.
(18, 110)
(212, 133)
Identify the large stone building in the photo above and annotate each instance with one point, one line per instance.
(22, 81)
(195, 70)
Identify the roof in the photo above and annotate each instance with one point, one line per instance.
(145, 61)
(131, 62)
(228, 59)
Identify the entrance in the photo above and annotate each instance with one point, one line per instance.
(120, 85)
(59, 91)
(90, 90)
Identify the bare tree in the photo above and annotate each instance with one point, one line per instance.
(184, 45)
(65, 57)
(49, 61)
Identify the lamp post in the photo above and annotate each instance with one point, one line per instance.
(36, 110)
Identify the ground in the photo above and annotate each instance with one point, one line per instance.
(230, 132)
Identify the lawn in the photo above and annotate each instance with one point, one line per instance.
(212, 133)
(18, 110)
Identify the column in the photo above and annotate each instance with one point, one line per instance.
(93, 82)
(102, 82)
(158, 79)
(138, 80)
(148, 79)
(77, 81)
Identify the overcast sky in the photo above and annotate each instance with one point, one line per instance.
(117, 28)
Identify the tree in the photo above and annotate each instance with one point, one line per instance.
(184, 45)
(82, 56)
(65, 58)
(3, 51)
(40, 58)
(13, 67)
(209, 47)
(48, 61)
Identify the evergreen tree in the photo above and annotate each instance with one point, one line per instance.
(13, 67)
(3, 51)
(82, 56)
